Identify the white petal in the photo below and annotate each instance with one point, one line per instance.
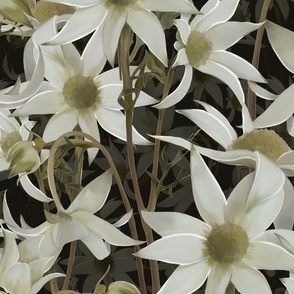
(175, 140)
(221, 13)
(278, 37)
(149, 30)
(109, 95)
(179, 93)
(248, 280)
(59, 124)
(32, 190)
(285, 218)
(219, 130)
(242, 68)
(265, 255)
(181, 58)
(77, 3)
(124, 219)
(186, 278)
(114, 122)
(286, 163)
(218, 280)
(93, 195)
(184, 29)
(72, 59)
(279, 111)
(209, 198)
(39, 284)
(225, 75)
(261, 92)
(113, 25)
(247, 123)
(289, 283)
(171, 223)
(225, 35)
(182, 6)
(180, 249)
(82, 22)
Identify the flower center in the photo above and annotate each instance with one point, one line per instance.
(267, 142)
(119, 3)
(198, 49)
(8, 140)
(226, 243)
(80, 92)
(45, 10)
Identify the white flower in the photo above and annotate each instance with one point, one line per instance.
(281, 40)
(77, 222)
(289, 283)
(112, 15)
(203, 45)
(78, 94)
(229, 245)
(239, 149)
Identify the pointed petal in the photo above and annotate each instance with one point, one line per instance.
(225, 75)
(225, 35)
(180, 249)
(72, 59)
(32, 190)
(242, 68)
(217, 127)
(182, 6)
(39, 284)
(278, 35)
(184, 29)
(175, 140)
(249, 280)
(279, 111)
(114, 122)
(171, 223)
(150, 31)
(218, 280)
(124, 219)
(261, 92)
(194, 276)
(93, 195)
(265, 255)
(209, 198)
(179, 93)
(247, 123)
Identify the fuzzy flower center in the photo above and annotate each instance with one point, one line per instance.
(120, 3)
(8, 140)
(45, 10)
(267, 142)
(80, 92)
(226, 243)
(198, 48)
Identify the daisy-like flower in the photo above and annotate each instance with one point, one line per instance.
(113, 15)
(228, 246)
(202, 45)
(78, 94)
(282, 107)
(77, 222)
(238, 150)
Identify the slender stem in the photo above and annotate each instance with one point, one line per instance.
(251, 97)
(72, 253)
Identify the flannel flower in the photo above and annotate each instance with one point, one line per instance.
(202, 45)
(112, 15)
(238, 149)
(229, 245)
(77, 222)
(78, 94)
(282, 107)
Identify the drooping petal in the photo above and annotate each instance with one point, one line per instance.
(278, 35)
(279, 111)
(225, 75)
(242, 68)
(261, 92)
(209, 197)
(150, 31)
(265, 255)
(36, 287)
(93, 195)
(249, 280)
(191, 275)
(218, 280)
(179, 249)
(286, 163)
(225, 35)
(179, 93)
(175, 140)
(182, 6)
(171, 223)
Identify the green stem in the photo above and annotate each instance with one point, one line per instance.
(251, 97)
(72, 253)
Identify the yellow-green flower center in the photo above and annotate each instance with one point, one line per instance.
(267, 142)
(8, 140)
(120, 3)
(226, 244)
(198, 48)
(81, 92)
(45, 10)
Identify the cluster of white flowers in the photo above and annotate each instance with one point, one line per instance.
(81, 91)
